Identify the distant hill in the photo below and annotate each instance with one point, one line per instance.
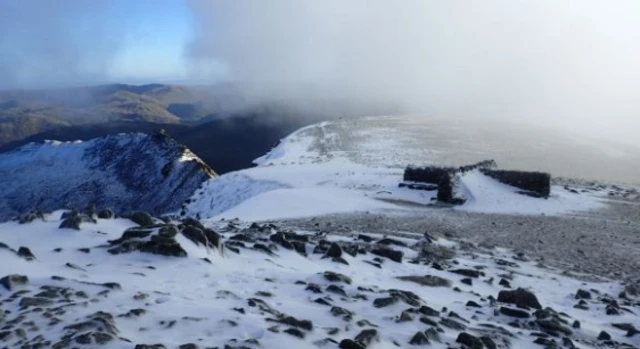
(226, 144)
(27, 112)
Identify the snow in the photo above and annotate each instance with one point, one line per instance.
(179, 289)
(331, 168)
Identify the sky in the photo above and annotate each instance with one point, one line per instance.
(565, 63)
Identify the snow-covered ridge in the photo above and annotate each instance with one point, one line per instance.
(124, 171)
(343, 167)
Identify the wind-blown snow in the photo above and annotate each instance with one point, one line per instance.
(200, 297)
(360, 168)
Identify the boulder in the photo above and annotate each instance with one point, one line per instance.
(14, 281)
(142, 218)
(520, 297)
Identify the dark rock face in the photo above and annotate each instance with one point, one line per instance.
(142, 218)
(514, 312)
(420, 338)
(162, 242)
(520, 297)
(122, 171)
(337, 277)
(205, 237)
(31, 216)
(583, 294)
(12, 282)
(26, 253)
(427, 280)
(106, 213)
(470, 341)
(386, 252)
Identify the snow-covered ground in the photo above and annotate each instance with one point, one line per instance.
(338, 167)
(218, 302)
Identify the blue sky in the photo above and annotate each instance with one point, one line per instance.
(569, 62)
(70, 42)
(153, 47)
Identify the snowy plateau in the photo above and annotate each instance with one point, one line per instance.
(318, 247)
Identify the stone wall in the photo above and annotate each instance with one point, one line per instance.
(537, 184)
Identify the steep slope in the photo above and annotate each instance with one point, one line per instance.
(125, 171)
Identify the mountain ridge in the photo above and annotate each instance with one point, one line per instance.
(127, 172)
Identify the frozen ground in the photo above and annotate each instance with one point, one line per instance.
(271, 296)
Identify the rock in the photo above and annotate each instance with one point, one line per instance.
(291, 321)
(100, 338)
(150, 346)
(26, 253)
(576, 324)
(514, 312)
(489, 342)
(339, 311)
(604, 336)
(193, 222)
(294, 332)
(14, 281)
(427, 280)
(582, 294)
(420, 338)
(335, 251)
(405, 317)
(389, 241)
(384, 302)
(520, 297)
(470, 341)
(428, 311)
(337, 290)
(188, 346)
(350, 344)
(472, 273)
(31, 216)
(315, 288)
(142, 218)
(28, 302)
(365, 238)
(504, 283)
(552, 326)
(72, 222)
(624, 326)
(336, 277)
(106, 213)
(392, 254)
(467, 281)
(432, 334)
(425, 320)
(473, 304)
(452, 324)
(365, 337)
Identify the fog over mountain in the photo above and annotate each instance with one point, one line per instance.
(564, 64)
(569, 64)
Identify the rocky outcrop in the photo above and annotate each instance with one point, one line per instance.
(126, 172)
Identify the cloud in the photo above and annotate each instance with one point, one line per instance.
(570, 63)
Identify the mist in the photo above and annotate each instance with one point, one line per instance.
(568, 65)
